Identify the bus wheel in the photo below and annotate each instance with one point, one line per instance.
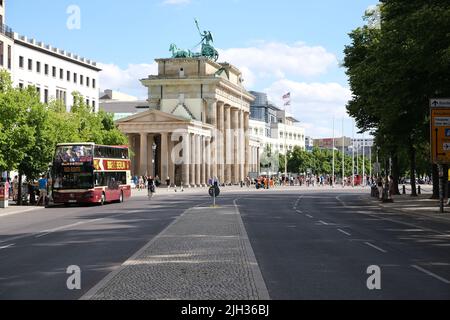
(103, 200)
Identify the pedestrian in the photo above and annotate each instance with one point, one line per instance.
(168, 183)
(151, 187)
(391, 187)
(380, 188)
(43, 183)
(16, 188)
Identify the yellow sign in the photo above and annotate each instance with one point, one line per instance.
(440, 135)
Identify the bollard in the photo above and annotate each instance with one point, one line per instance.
(404, 189)
(420, 190)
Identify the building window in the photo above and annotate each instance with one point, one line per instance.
(93, 83)
(21, 62)
(68, 75)
(54, 72)
(46, 69)
(87, 102)
(81, 80)
(88, 82)
(61, 74)
(30, 65)
(38, 67)
(45, 95)
(38, 90)
(75, 76)
(93, 105)
(2, 58)
(9, 57)
(21, 85)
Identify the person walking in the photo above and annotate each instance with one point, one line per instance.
(168, 183)
(380, 188)
(43, 183)
(151, 187)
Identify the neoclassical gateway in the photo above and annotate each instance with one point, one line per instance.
(197, 125)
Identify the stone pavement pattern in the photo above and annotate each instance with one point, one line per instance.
(204, 255)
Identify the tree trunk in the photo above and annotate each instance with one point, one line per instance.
(396, 173)
(412, 154)
(19, 194)
(435, 177)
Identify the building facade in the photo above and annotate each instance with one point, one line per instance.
(275, 129)
(195, 127)
(54, 72)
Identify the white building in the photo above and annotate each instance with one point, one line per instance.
(54, 72)
(274, 128)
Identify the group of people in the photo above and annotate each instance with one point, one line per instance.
(34, 189)
(142, 182)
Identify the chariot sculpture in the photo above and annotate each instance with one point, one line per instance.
(207, 48)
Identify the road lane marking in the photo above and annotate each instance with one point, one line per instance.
(310, 216)
(298, 211)
(323, 222)
(8, 246)
(431, 274)
(344, 232)
(47, 232)
(375, 247)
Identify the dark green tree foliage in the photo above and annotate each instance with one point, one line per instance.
(30, 130)
(394, 71)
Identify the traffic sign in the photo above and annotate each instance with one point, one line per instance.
(440, 103)
(440, 135)
(214, 192)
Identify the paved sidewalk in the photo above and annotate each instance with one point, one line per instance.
(421, 205)
(204, 255)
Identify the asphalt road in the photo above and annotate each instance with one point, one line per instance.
(36, 248)
(320, 245)
(309, 245)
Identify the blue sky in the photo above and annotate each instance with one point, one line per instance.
(280, 46)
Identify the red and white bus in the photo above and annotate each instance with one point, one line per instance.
(85, 173)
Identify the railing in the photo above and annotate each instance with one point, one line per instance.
(7, 31)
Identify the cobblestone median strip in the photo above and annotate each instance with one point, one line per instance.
(204, 255)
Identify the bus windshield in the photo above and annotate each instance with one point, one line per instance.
(74, 153)
(72, 180)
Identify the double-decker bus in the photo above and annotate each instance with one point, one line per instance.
(85, 173)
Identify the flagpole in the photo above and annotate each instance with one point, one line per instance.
(364, 159)
(332, 179)
(343, 153)
(353, 154)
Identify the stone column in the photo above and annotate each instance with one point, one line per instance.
(198, 153)
(171, 160)
(150, 165)
(208, 158)
(247, 144)
(235, 153)
(186, 158)
(204, 179)
(242, 149)
(221, 140)
(193, 161)
(131, 148)
(228, 145)
(164, 157)
(143, 155)
(214, 121)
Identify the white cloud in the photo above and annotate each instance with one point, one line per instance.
(279, 60)
(176, 2)
(314, 104)
(126, 80)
